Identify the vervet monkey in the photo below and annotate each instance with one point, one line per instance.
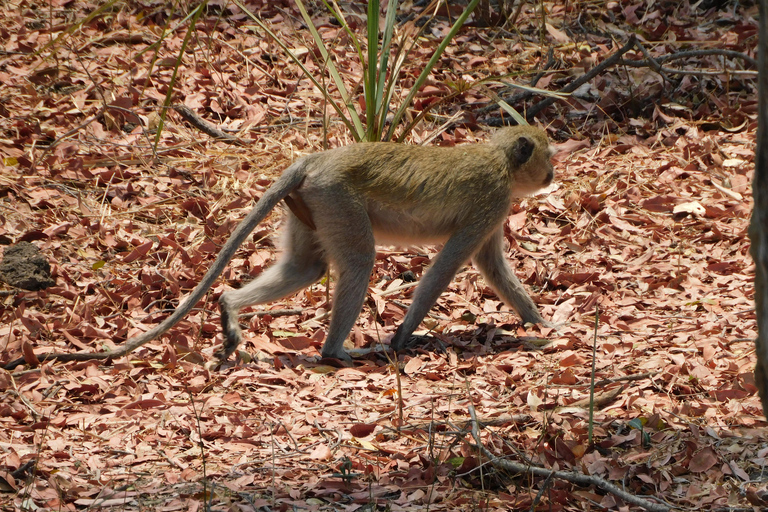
(343, 200)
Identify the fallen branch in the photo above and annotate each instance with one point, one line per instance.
(568, 476)
(655, 63)
(464, 425)
(205, 126)
(272, 313)
(697, 72)
(36, 359)
(586, 77)
(599, 400)
(612, 380)
(705, 53)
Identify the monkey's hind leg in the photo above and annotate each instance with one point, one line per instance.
(348, 241)
(301, 264)
(495, 269)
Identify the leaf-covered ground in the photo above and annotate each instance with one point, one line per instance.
(641, 248)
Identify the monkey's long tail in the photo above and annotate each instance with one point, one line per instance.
(284, 185)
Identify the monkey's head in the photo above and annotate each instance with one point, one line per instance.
(528, 153)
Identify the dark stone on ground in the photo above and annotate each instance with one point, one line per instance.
(24, 267)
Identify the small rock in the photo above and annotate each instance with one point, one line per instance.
(24, 267)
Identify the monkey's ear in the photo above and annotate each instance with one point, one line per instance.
(522, 150)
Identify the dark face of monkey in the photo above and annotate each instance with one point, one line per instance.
(530, 166)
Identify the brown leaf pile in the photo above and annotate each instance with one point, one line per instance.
(640, 248)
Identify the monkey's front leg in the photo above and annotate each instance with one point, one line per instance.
(492, 264)
(457, 250)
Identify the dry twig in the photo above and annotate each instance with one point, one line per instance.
(205, 126)
(568, 476)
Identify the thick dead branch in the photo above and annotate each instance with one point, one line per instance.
(758, 228)
(568, 476)
(655, 63)
(586, 77)
(465, 425)
(272, 313)
(35, 359)
(661, 59)
(611, 380)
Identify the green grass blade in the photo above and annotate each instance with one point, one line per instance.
(536, 90)
(384, 89)
(386, 45)
(77, 25)
(333, 71)
(509, 109)
(343, 22)
(195, 15)
(372, 94)
(431, 64)
(399, 60)
(347, 122)
(403, 50)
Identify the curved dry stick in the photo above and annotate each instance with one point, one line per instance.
(586, 77)
(569, 476)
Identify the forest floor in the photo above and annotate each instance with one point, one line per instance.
(640, 249)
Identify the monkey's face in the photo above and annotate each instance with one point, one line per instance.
(528, 153)
(544, 172)
(533, 155)
(550, 175)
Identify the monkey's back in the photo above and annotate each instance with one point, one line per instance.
(424, 174)
(418, 193)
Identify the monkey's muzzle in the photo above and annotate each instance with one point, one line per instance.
(549, 177)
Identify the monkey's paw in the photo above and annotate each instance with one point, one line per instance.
(224, 352)
(341, 355)
(414, 340)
